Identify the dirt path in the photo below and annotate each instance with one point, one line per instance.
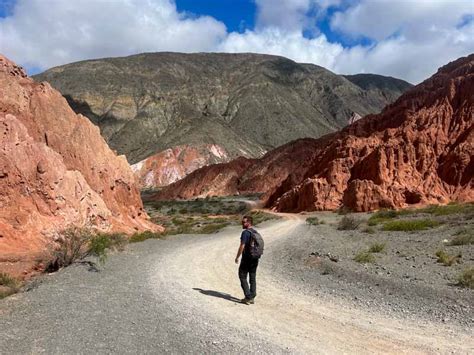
(179, 295)
(295, 322)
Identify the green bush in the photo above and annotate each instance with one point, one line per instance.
(98, 246)
(447, 259)
(212, 228)
(410, 225)
(382, 216)
(364, 257)
(140, 237)
(466, 278)
(452, 208)
(348, 223)
(314, 221)
(377, 248)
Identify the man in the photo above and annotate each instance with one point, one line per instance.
(248, 265)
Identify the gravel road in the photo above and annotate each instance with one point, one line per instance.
(178, 295)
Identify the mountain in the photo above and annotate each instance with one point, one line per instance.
(55, 170)
(418, 150)
(239, 104)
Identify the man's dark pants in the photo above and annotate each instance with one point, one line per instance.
(248, 266)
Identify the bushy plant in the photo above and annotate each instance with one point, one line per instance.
(348, 223)
(364, 257)
(8, 285)
(314, 221)
(410, 225)
(466, 278)
(463, 237)
(447, 259)
(376, 247)
(140, 237)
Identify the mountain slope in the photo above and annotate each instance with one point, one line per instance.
(418, 150)
(245, 104)
(55, 171)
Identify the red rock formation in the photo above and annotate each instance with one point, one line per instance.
(418, 150)
(175, 163)
(55, 170)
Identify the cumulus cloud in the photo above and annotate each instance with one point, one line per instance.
(289, 44)
(45, 33)
(409, 39)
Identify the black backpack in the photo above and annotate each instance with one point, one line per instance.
(256, 244)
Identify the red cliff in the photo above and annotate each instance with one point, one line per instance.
(55, 170)
(419, 150)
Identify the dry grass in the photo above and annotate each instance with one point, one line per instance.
(463, 237)
(348, 223)
(466, 278)
(364, 257)
(377, 248)
(8, 285)
(447, 259)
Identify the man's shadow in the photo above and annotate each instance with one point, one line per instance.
(218, 294)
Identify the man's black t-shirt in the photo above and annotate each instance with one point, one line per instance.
(245, 239)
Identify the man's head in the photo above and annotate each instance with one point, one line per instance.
(247, 222)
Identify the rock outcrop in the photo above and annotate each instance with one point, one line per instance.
(419, 150)
(247, 104)
(55, 170)
(173, 164)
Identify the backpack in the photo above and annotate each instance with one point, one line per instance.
(256, 244)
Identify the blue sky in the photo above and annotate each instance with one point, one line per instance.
(408, 39)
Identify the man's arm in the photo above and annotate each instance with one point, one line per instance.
(239, 252)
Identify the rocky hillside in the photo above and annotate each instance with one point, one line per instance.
(240, 104)
(55, 170)
(419, 150)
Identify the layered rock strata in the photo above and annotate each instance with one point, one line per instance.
(419, 150)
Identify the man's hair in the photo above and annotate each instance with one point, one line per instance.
(248, 219)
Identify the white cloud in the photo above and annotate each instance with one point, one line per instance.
(289, 44)
(45, 33)
(411, 38)
(418, 20)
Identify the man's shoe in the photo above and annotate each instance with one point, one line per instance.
(245, 301)
(252, 301)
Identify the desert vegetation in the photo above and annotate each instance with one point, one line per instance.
(203, 215)
(8, 285)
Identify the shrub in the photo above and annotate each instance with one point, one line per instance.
(377, 248)
(348, 223)
(140, 237)
(364, 257)
(369, 230)
(212, 228)
(452, 208)
(410, 225)
(98, 245)
(463, 237)
(8, 285)
(447, 259)
(261, 216)
(381, 216)
(466, 278)
(71, 245)
(314, 221)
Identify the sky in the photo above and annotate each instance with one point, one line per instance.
(407, 39)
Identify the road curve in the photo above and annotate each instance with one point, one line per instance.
(179, 295)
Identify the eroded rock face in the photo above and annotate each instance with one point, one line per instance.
(55, 170)
(418, 150)
(175, 163)
(148, 104)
